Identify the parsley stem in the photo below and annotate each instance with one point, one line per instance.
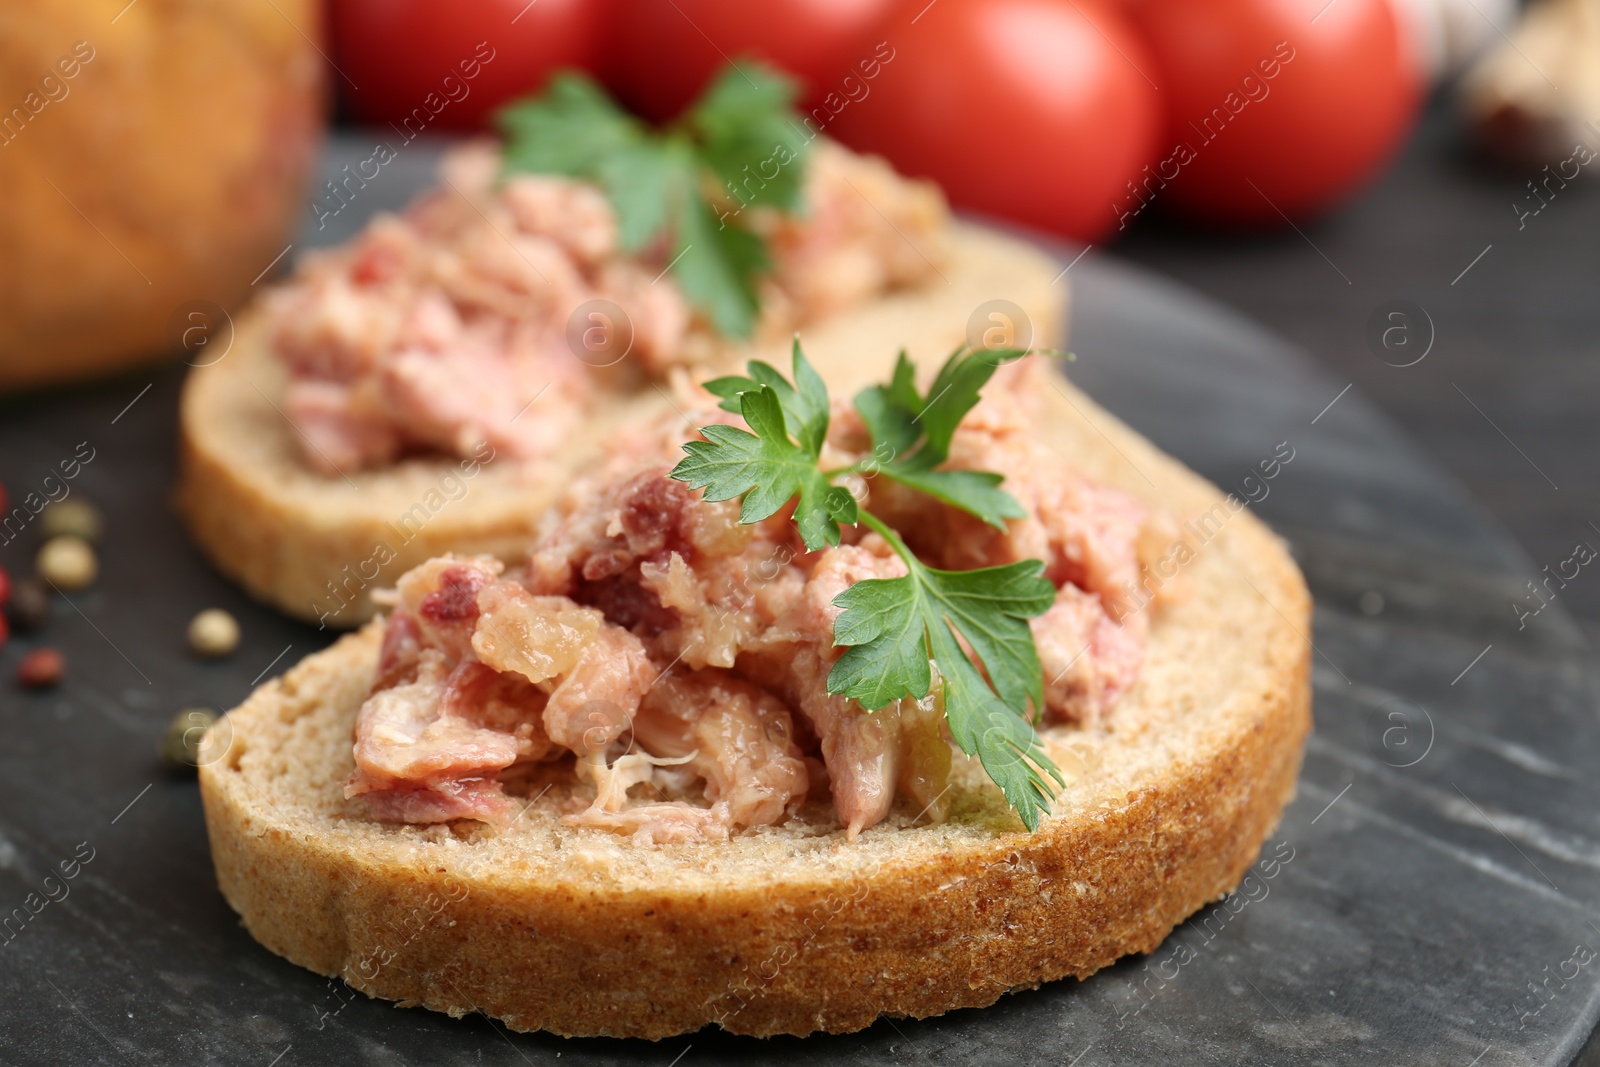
(883, 530)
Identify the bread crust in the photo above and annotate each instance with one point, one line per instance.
(308, 544)
(791, 930)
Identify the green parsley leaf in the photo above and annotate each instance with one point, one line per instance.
(768, 470)
(901, 416)
(746, 126)
(572, 128)
(805, 410)
(742, 133)
(716, 266)
(644, 181)
(1005, 743)
(885, 617)
(968, 629)
(913, 432)
(975, 492)
(892, 626)
(891, 411)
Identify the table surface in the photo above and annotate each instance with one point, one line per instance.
(1506, 400)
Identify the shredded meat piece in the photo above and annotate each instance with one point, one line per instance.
(420, 754)
(1089, 659)
(402, 646)
(667, 823)
(680, 572)
(862, 749)
(437, 328)
(737, 738)
(501, 701)
(595, 673)
(598, 698)
(740, 737)
(441, 595)
(467, 798)
(866, 230)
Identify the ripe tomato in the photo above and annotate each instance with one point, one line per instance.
(447, 66)
(1033, 110)
(661, 53)
(1302, 98)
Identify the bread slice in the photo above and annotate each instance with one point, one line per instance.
(791, 929)
(315, 546)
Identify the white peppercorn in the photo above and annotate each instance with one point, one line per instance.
(213, 633)
(67, 562)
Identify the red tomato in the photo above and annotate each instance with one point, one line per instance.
(1279, 112)
(448, 65)
(661, 53)
(1033, 110)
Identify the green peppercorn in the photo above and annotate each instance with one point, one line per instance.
(180, 745)
(71, 518)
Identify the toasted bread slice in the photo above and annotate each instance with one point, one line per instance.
(792, 929)
(315, 546)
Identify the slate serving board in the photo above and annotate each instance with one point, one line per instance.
(1433, 898)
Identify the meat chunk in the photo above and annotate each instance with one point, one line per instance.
(1089, 658)
(740, 739)
(862, 750)
(679, 571)
(595, 673)
(424, 757)
(576, 216)
(441, 599)
(866, 231)
(504, 702)
(735, 738)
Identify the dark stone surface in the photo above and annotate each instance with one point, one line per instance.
(1515, 334)
(1441, 855)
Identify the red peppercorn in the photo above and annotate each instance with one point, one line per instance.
(5, 579)
(41, 668)
(5, 631)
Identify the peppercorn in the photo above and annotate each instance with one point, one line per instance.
(41, 668)
(213, 633)
(180, 745)
(71, 518)
(67, 562)
(5, 587)
(29, 607)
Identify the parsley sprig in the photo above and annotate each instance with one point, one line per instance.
(971, 626)
(740, 135)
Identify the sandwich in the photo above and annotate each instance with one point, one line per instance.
(796, 712)
(430, 386)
